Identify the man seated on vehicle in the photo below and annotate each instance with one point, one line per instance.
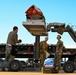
(11, 42)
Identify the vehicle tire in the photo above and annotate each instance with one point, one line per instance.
(69, 67)
(15, 66)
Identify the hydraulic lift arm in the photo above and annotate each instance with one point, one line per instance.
(60, 28)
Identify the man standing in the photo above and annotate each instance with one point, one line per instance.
(43, 50)
(58, 53)
(11, 41)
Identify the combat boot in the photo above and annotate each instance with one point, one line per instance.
(54, 70)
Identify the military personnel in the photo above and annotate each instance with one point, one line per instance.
(11, 41)
(58, 54)
(43, 50)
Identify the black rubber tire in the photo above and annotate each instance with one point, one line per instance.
(69, 67)
(15, 66)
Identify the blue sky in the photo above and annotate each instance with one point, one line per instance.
(12, 13)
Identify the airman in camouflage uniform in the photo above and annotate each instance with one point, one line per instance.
(11, 41)
(43, 50)
(58, 54)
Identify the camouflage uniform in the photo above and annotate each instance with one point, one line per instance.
(57, 57)
(11, 41)
(43, 50)
(7, 52)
